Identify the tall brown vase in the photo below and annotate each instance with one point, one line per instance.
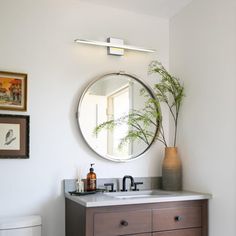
(171, 170)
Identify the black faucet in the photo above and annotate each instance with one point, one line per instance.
(124, 182)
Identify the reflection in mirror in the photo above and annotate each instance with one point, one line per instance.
(117, 117)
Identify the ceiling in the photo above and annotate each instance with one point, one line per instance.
(159, 8)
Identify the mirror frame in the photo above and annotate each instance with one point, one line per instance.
(78, 112)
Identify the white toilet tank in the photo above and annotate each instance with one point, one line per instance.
(21, 226)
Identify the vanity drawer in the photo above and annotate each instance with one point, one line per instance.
(184, 232)
(145, 234)
(121, 223)
(176, 218)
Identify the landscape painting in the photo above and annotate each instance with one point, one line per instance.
(13, 91)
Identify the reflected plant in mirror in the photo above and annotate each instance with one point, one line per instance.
(141, 124)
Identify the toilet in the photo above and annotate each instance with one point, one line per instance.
(21, 226)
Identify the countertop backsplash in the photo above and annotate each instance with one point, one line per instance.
(148, 183)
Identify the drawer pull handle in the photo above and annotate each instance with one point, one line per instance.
(124, 223)
(178, 218)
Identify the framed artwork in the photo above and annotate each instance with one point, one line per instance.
(13, 91)
(14, 136)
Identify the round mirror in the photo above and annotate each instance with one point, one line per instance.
(117, 116)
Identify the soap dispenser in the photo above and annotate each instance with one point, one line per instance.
(91, 179)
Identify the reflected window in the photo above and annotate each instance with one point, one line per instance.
(118, 106)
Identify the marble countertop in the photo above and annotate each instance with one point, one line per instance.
(114, 199)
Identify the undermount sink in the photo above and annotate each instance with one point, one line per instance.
(140, 194)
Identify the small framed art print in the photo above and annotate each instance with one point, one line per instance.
(13, 91)
(14, 136)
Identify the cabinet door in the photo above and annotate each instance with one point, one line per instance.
(184, 232)
(177, 218)
(146, 234)
(122, 223)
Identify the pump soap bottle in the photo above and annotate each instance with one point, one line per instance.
(91, 179)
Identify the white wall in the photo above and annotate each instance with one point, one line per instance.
(203, 54)
(36, 37)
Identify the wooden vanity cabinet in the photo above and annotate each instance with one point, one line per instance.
(185, 218)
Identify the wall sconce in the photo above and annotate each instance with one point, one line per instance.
(114, 46)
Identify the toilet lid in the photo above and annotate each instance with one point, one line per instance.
(20, 222)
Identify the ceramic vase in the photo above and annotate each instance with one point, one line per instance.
(171, 170)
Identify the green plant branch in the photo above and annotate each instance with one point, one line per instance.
(168, 86)
(162, 131)
(168, 91)
(141, 130)
(138, 127)
(130, 136)
(138, 120)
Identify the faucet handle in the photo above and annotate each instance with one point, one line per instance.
(112, 186)
(135, 186)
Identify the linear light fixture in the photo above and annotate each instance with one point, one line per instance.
(114, 46)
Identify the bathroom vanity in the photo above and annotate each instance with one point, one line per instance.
(142, 213)
(145, 213)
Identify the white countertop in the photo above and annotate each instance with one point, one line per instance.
(110, 199)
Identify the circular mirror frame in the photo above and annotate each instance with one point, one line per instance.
(78, 112)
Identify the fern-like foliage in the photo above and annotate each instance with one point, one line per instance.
(169, 91)
(142, 124)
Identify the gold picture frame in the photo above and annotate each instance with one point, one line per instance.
(13, 91)
(14, 136)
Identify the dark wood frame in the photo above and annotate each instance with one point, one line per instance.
(23, 121)
(23, 77)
